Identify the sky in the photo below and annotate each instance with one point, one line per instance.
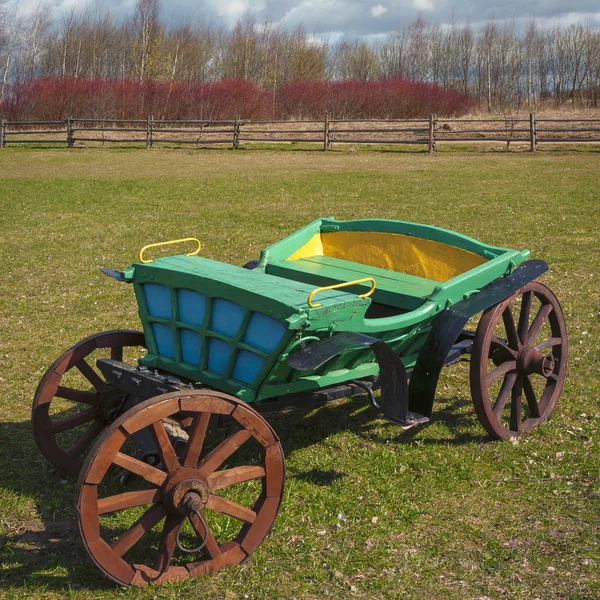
(368, 18)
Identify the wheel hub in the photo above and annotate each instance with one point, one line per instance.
(185, 492)
(189, 495)
(109, 406)
(530, 360)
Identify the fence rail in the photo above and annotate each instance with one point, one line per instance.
(430, 132)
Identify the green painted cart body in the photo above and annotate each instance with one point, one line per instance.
(232, 328)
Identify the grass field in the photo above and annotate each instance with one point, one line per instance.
(369, 512)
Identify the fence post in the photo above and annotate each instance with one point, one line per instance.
(148, 132)
(70, 140)
(431, 134)
(3, 134)
(532, 132)
(236, 133)
(326, 134)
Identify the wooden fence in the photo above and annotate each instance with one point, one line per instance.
(430, 132)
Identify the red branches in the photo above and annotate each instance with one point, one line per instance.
(58, 98)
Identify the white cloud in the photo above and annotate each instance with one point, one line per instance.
(423, 5)
(378, 11)
(336, 18)
(234, 9)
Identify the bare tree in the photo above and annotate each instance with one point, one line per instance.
(12, 28)
(147, 28)
(34, 32)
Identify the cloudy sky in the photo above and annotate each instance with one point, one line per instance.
(361, 17)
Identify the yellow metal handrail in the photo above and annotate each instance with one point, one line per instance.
(341, 285)
(190, 239)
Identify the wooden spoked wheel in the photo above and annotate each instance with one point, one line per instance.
(519, 361)
(220, 491)
(73, 403)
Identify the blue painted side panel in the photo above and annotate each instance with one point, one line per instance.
(264, 332)
(218, 355)
(158, 298)
(226, 317)
(247, 366)
(192, 307)
(164, 340)
(191, 344)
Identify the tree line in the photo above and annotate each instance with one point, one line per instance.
(499, 64)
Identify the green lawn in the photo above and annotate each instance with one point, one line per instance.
(369, 512)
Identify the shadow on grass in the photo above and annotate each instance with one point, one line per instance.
(39, 541)
(48, 557)
(302, 427)
(46, 550)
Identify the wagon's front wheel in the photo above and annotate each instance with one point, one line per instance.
(73, 403)
(518, 361)
(199, 506)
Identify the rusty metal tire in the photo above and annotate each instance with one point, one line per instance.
(93, 406)
(112, 525)
(529, 357)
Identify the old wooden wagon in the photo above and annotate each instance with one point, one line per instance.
(337, 309)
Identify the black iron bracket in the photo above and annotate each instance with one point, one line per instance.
(116, 275)
(448, 327)
(392, 374)
(140, 382)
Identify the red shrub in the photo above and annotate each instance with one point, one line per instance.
(51, 99)
(385, 99)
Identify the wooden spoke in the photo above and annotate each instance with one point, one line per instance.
(534, 409)
(143, 525)
(516, 405)
(223, 451)
(80, 418)
(539, 320)
(192, 451)
(83, 443)
(116, 353)
(183, 490)
(504, 395)
(511, 331)
(91, 375)
(144, 470)
(168, 541)
(127, 500)
(515, 359)
(60, 450)
(81, 396)
(222, 479)
(505, 367)
(164, 446)
(523, 325)
(550, 343)
(230, 508)
(203, 531)
(499, 344)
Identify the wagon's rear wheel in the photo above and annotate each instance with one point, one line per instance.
(73, 403)
(518, 361)
(197, 509)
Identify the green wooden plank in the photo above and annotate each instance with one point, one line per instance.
(254, 289)
(389, 280)
(386, 292)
